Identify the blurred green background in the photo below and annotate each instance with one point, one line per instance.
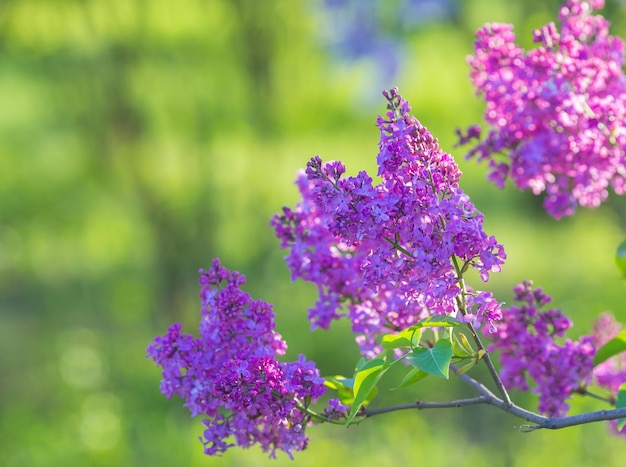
(140, 139)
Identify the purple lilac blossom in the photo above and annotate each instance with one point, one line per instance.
(610, 374)
(390, 253)
(230, 373)
(528, 348)
(335, 410)
(556, 113)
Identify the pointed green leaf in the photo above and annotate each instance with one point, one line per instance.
(412, 377)
(621, 403)
(462, 347)
(407, 338)
(361, 363)
(338, 381)
(465, 343)
(435, 361)
(371, 395)
(620, 258)
(394, 341)
(438, 321)
(345, 396)
(613, 347)
(466, 367)
(416, 337)
(368, 386)
(365, 381)
(343, 386)
(370, 367)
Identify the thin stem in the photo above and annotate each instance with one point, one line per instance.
(315, 416)
(486, 357)
(490, 366)
(398, 247)
(421, 405)
(585, 392)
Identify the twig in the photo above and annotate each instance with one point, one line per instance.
(421, 405)
(489, 398)
(573, 420)
(492, 369)
(479, 343)
(585, 392)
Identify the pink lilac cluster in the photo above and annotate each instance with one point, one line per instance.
(230, 373)
(610, 374)
(527, 341)
(557, 113)
(390, 253)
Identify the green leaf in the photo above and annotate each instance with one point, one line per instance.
(365, 380)
(369, 368)
(407, 338)
(462, 347)
(338, 381)
(345, 396)
(613, 347)
(621, 403)
(439, 321)
(412, 377)
(371, 395)
(466, 367)
(620, 258)
(343, 386)
(435, 361)
(361, 363)
(394, 341)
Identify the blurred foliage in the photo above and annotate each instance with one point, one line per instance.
(139, 139)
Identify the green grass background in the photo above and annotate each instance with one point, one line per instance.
(140, 139)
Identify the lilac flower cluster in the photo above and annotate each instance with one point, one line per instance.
(527, 345)
(610, 374)
(230, 373)
(391, 252)
(558, 110)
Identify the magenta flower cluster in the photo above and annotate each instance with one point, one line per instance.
(527, 343)
(230, 373)
(393, 252)
(556, 113)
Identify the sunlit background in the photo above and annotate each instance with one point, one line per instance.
(140, 139)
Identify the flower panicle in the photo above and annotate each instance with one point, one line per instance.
(230, 373)
(383, 253)
(532, 347)
(557, 113)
